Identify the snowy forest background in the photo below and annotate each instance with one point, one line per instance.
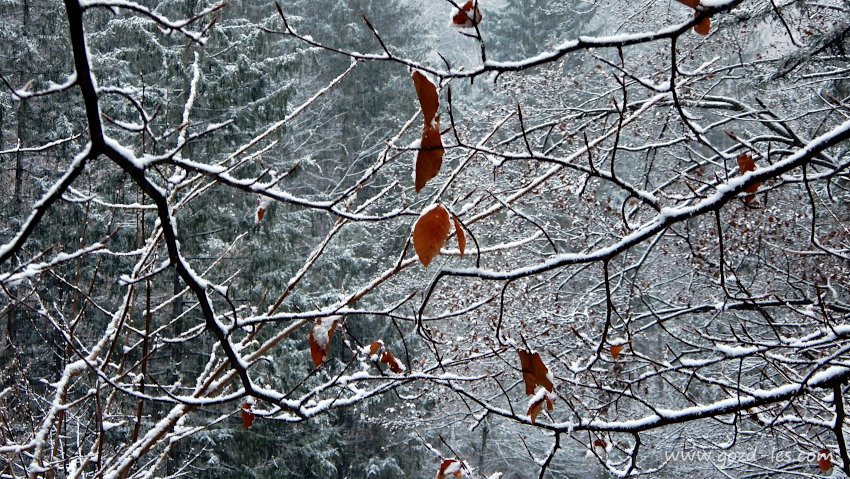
(197, 194)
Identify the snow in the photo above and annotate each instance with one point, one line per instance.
(107, 425)
(540, 394)
(34, 269)
(736, 351)
(666, 217)
(828, 375)
(56, 189)
(429, 209)
(322, 330)
(452, 468)
(695, 363)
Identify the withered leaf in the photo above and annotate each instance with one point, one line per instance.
(388, 359)
(825, 460)
(534, 373)
(704, 26)
(263, 203)
(615, 350)
(449, 467)
(600, 447)
(429, 158)
(537, 406)
(430, 233)
(745, 164)
(247, 416)
(427, 93)
(320, 338)
(461, 237)
(467, 17)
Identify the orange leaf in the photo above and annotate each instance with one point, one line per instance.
(461, 18)
(374, 347)
(690, 3)
(449, 466)
(388, 359)
(703, 26)
(825, 460)
(461, 238)
(537, 406)
(599, 447)
(263, 203)
(430, 233)
(320, 338)
(534, 373)
(535, 409)
(247, 417)
(615, 350)
(429, 158)
(427, 93)
(745, 164)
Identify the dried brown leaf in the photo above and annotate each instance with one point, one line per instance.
(320, 339)
(247, 416)
(745, 164)
(429, 158)
(428, 98)
(825, 460)
(704, 26)
(461, 238)
(615, 350)
(534, 372)
(449, 467)
(388, 359)
(467, 17)
(430, 233)
(535, 409)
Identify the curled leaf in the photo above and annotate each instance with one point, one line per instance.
(537, 406)
(427, 93)
(247, 416)
(703, 26)
(388, 359)
(535, 409)
(461, 238)
(320, 338)
(534, 372)
(600, 447)
(429, 158)
(467, 17)
(745, 164)
(430, 233)
(374, 347)
(263, 203)
(450, 467)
